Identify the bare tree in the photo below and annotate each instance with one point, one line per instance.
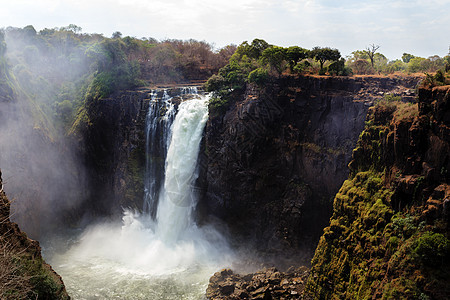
(371, 52)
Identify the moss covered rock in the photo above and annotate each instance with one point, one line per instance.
(389, 234)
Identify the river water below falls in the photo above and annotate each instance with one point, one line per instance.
(162, 255)
(129, 261)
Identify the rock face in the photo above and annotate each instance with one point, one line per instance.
(112, 139)
(389, 233)
(277, 154)
(111, 136)
(23, 272)
(267, 284)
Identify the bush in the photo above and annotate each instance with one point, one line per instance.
(215, 83)
(218, 105)
(258, 76)
(392, 98)
(432, 249)
(338, 68)
(362, 67)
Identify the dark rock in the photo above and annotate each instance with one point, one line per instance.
(280, 152)
(226, 288)
(263, 284)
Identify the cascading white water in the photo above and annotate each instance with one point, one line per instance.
(177, 199)
(146, 258)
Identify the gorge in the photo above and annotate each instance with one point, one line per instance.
(339, 183)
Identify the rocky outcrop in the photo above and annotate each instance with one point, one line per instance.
(23, 272)
(276, 155)
(389, 233)
(267, 284)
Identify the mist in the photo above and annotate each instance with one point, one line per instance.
(42, 171)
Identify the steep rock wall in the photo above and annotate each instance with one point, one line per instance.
(279, 153)
(111, 138)
(389, 233)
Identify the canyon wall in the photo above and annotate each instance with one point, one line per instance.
(271, 160)
(276, 155)
(389, 233)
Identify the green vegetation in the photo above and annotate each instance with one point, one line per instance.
(438, 79)
(324, 54)
(23, 274)
(373, 247)
(259, 63)
(369, 61)
(63, 69)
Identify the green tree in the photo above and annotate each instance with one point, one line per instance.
(356, 55)
(294, 55)
(323, 54)
(253, 50)
(274, 56)
(380, 62)
(258, 76)
(29, 31)
(72, 27)
(417, 64)
(117, 35)
(395, 66)
(406, 57)
(338, 68)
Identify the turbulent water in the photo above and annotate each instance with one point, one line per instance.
(143, 257)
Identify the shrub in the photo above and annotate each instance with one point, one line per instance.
(432, 249)
(392, 98)
(13, 284)
(258, 76)
(338, 68)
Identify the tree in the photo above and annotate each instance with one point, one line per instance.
(406, 57)
(274, 56)
(357, 55)
(117, 35)
(371, 52)
(324, 54)
(253, 50)
(29, 31)
(417, 64)
(294, 55)
(72, 27)
(361, 66)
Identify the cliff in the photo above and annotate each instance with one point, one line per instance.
(23, 272)
(276, 155)
(111, 139)
(389, 233)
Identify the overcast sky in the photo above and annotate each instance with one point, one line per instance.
(419, 27)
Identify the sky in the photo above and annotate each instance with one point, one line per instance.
(419, 27)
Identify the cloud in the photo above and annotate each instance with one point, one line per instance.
(347, 24)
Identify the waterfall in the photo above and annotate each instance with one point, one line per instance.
(175, 140)
(159, 253)
(178, 199)
(158, 122)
